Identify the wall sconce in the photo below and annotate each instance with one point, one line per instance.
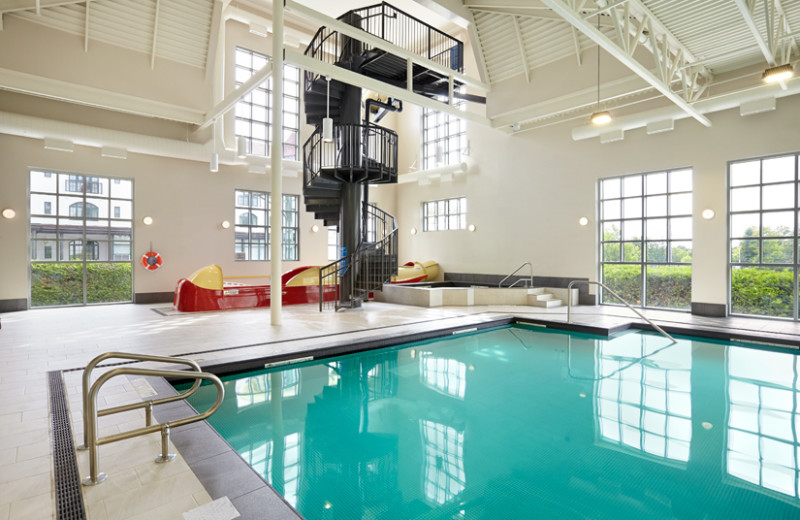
(314, 228)
(471, 228)
(147, 221)
(225, 224)
(413, 231)
(708, 214)
(583, 221)
(9, 213)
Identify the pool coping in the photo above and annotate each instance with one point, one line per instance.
(223, 472)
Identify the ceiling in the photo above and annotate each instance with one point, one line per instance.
(679, 53)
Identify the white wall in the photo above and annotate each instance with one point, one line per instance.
(185, 200)
(526, 193)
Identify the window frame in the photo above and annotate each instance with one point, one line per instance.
(644, 221)
(248, 112)
(761, 238)
(290, 225)
(442, 222)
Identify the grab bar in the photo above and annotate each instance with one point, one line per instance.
(147, 405)
(93, 442)
(645, 318)
(530, 278)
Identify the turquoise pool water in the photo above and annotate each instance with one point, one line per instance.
(521, 423)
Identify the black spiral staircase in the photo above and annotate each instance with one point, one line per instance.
(337, 174)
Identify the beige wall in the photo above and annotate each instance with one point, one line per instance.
(526, 193)
(186, 201)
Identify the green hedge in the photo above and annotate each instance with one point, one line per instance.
(668, 286)
(62, 283)
(762, 291)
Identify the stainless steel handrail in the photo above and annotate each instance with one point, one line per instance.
(592, 282)
(530, 278)
(147, 405)
(91, 414)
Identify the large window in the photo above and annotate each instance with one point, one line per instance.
(440, 215)
(333, 243)
(444, 138)
(763, 236)
(254, 111)
(252, 236)
(81, 249)
(646, 238)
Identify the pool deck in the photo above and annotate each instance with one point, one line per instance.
(36, 342)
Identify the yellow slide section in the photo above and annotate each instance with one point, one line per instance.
(208, 277)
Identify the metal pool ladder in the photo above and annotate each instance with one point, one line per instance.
(645, 318)
(528, 282)
(92, 442)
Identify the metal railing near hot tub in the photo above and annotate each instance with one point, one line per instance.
(528, 282)
(92, 442)
(617, 296)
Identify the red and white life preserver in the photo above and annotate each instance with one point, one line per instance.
(151, 260)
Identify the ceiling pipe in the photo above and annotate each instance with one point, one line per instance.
(705, 106)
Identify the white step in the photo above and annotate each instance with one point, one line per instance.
(545, 303)
(540, 297)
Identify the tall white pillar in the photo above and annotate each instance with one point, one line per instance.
(276, 160)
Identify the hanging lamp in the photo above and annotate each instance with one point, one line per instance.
(327, 122)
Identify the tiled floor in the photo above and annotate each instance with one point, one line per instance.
(35, 342)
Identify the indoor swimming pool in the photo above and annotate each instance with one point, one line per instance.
(525, 422)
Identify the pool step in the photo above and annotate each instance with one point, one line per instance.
(538, 298)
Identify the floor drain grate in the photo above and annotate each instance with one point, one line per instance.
(69, 499)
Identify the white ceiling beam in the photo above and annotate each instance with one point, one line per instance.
(531, 5)
(522, 49)
(576, 19)
(353, 78)
(86, 29)
(353, 32)
(259, 77)
(24, 83)
(155, 36)
(11, 6)
(747, 14)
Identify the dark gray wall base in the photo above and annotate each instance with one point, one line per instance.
(712, 310)
(586, 298)
(154, 297)
(17, 304)
(560, 282)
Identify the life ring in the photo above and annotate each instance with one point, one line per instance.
(151, 260)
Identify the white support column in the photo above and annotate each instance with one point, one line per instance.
(276, 160)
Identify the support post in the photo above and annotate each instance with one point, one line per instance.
(276, 163)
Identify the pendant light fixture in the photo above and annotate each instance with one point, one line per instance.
(600, 117)
(213, 164)
(327, 122)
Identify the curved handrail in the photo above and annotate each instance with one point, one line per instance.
(87, 374)
(500, 285)
(94, 442)
(592, 282)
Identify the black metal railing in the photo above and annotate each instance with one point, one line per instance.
(369, 267)
(390, 24)
(358, 153)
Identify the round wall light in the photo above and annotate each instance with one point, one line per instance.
(314, 228)
(147, 221)
(413, 231)
(471, 228)
(9, 213)
(225, 224)
(708, 214)
(583, 221)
